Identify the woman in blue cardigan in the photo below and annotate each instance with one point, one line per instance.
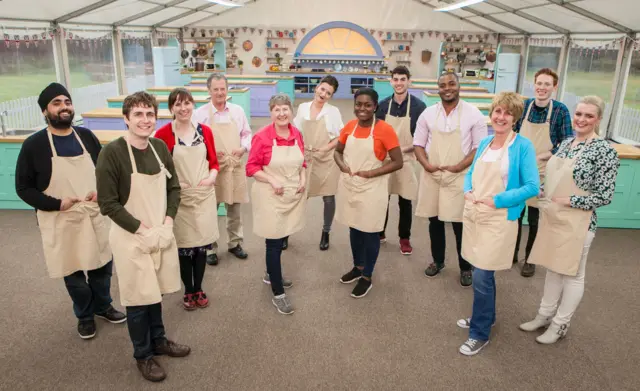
(503, 175)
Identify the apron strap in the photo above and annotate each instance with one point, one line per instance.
(134, 166)
(53, 148)
(526, 115)
(550, 111)
(408, 104)
(162, 167)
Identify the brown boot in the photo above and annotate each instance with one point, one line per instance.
(151, 370)
(172, 349)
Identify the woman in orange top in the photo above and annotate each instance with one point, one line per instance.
(363, 192)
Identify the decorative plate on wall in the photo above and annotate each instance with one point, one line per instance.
(256, 61)
(247, 45)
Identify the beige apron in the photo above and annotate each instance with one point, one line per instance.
(540, 136)
(441, 193)
(231, 184)
(77, 238)
(322, 171)
(562, 230)
(362, 202)
(147, 264)
(276, 216)
(403, 182)
(488, 238)
(196, 223)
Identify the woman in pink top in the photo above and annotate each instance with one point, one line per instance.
(278, 196)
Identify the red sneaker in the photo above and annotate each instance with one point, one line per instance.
(189, 302)
(405, 247)
(201, 299)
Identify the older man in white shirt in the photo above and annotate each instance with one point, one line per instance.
(446, 138)
(232, 136)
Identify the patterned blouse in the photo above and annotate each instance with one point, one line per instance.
(595, 171)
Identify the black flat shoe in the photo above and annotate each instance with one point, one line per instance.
(324, 241)
(285, 243)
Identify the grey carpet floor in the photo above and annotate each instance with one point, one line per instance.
(401, 336)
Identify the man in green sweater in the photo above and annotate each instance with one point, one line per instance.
(138, 190)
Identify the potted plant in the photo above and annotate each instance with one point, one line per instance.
(240, 65)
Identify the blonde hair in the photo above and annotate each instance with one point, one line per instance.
(598, 102)
(511, 101)
(280, 99)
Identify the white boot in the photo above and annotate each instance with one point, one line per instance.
(553, 333)
(537, 323)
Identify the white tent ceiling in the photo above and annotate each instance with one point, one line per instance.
(502, 16)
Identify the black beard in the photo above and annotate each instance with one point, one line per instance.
(58, 123)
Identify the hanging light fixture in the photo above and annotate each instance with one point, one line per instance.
(455, 6)
(227, 3)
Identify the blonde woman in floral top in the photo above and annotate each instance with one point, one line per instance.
(580, 178)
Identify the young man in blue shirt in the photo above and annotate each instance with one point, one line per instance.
(401, 110)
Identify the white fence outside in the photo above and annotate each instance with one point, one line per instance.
(628, 130)
(25, 113)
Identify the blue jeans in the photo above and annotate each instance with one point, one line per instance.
(274, 265)
(146, 329)
(90, 295)
(365, 247)
(484, 304)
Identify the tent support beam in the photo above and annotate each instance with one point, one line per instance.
(488, 17)
(183, 15)
(590, 15)
(563, 65)
(522, 72)
(84, 10)
(619, 89)
(118, 62)
(61, 57)
(527, 16)
(455, 16)
(148, 12)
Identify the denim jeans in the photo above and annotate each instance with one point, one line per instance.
(90, 294)
(145, 329)
(274, 265)
(439, 242)
(484, 304)
(365, 247)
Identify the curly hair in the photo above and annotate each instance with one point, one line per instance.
(139, 99)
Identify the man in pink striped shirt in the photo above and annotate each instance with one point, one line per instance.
(232, 136)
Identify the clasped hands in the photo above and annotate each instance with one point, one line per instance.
(278, 189)
(469, 196)
(454, 168)
(68, 202)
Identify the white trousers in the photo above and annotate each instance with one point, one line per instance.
(562, 293)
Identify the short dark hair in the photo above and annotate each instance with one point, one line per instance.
(455, 75)
(330, 80)
(139, 99)
(367, 91)
(401, 70)
(548, 72)
(179, 94)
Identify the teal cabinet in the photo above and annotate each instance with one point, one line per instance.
(382, 87)
(624, 210)
(8, 157)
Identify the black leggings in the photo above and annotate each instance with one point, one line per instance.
(192, 271)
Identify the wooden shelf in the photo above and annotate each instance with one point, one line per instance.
(404, 61)
(277, 48)
(293, 38)
(399, 51)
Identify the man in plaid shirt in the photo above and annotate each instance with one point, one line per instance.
(547, 123)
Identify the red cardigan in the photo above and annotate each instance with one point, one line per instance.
(165, 134)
